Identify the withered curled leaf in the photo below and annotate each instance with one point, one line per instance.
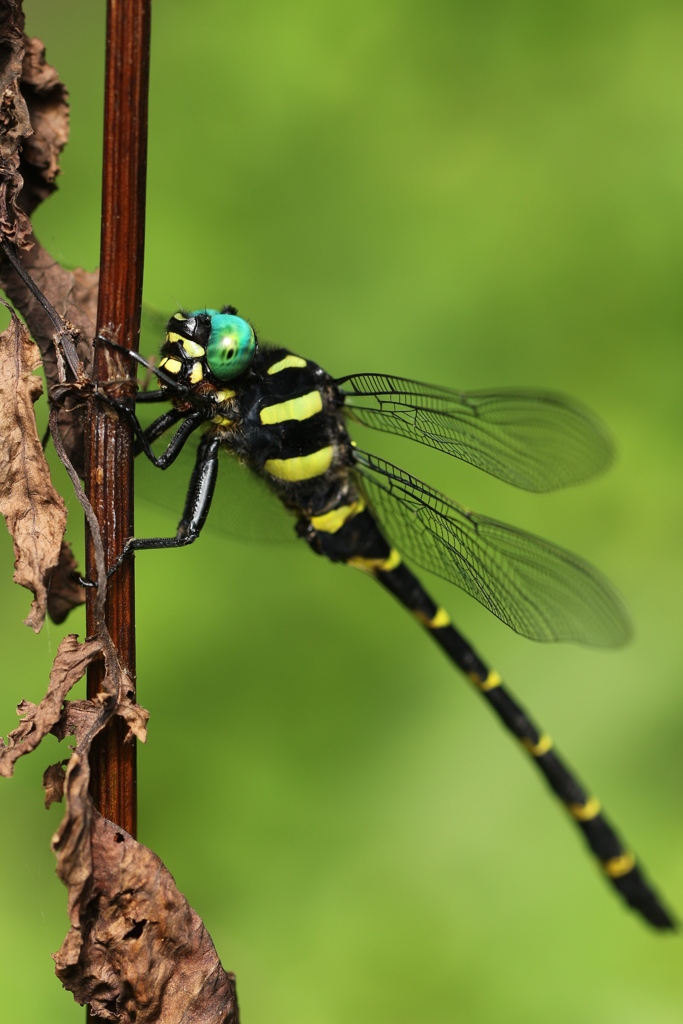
(77, 718)
(34, 127)
(46, 99)
(63, 592)
(53, 783)
(136, 951)
(38, 720)
(15, 124)
(34, 512)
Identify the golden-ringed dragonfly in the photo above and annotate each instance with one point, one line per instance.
(286, 419)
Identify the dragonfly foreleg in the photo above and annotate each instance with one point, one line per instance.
(160, 425)
(197, 505)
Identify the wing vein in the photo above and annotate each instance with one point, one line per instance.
(539, 589)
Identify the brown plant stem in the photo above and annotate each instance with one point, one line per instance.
(109, 449)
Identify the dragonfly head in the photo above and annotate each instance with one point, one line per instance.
(207, 346)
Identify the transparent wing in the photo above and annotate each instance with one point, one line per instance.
(536, 588)
(535, 440)
(152, 329)
(243, 506)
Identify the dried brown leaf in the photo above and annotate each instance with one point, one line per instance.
(76, 719)
(71, 841)
(63, 592)
(86, 719)
(53, 783)
(15, 125)
(136, 718)
(46, 99)
(35, 514)
(26, 711)
(38, 720)
(136, 951)
(73, 293)
(33, 131)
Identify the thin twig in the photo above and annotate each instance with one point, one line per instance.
(91, 518)
(62, 334)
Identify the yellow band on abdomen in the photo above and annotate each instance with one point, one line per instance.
(541, 747)
(439, 619)
(587, 811)
(332, 522)
(371, 565)
(617, 867)
(490, 683)
(301, 467)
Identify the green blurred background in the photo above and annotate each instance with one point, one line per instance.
(474, 194)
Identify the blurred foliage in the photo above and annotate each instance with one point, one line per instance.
(474, 194)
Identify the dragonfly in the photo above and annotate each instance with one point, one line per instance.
(285, 420)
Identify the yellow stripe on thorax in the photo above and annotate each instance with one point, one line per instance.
(332, 522)
(617, 867)
(301, 408)
(372, 565)
(192, 348)
(286, 363)
(587, 811)
(301, 467)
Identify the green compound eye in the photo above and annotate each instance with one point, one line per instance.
(231, 347)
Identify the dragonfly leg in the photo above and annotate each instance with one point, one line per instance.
(189, 424)
(145, 437)
(143, 397)
(154, 396)
(158, 427)
(197, 505)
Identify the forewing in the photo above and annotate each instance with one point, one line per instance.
(536, 588)
(535, 440)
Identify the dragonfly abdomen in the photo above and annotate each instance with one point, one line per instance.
(356, 539)
(616, 861)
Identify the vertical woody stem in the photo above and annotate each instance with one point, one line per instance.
(109, 449)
